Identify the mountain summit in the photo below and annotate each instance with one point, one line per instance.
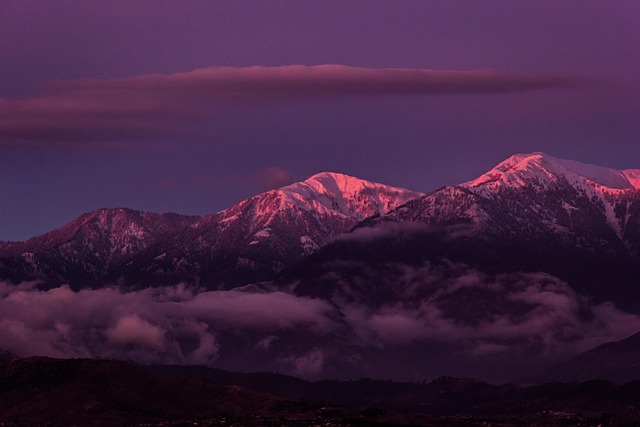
(542, 169)
(335, 193)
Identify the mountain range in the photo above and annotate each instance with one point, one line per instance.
(250, 241)
(528, 265)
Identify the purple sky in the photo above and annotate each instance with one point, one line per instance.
(148, 104)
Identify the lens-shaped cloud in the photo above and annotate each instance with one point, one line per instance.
(157, 106)
(300, 80)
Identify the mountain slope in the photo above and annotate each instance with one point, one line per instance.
(613, 192)
(617, 361)
(84, 250)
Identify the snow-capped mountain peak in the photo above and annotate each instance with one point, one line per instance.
(263, 234)
(345, 195)
(539, 169)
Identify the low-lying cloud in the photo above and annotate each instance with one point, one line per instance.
(516, 315)
(519, 313)
(156, 106)
(172, 325)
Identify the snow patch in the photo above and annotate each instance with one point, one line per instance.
(263, 233)
(309, 246)
(229, 218)
(633, 176)
(247, 263)
(30, 258)
(606, 177)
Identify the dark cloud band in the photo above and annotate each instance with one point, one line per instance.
(157, 106)
(299, 80)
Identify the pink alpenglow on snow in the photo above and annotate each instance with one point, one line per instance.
(524, 169)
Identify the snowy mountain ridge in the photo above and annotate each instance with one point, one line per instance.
(540, 169)
(326, 204)
(346, 195)
(527, 197)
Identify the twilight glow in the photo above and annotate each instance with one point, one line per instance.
(198, 197)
